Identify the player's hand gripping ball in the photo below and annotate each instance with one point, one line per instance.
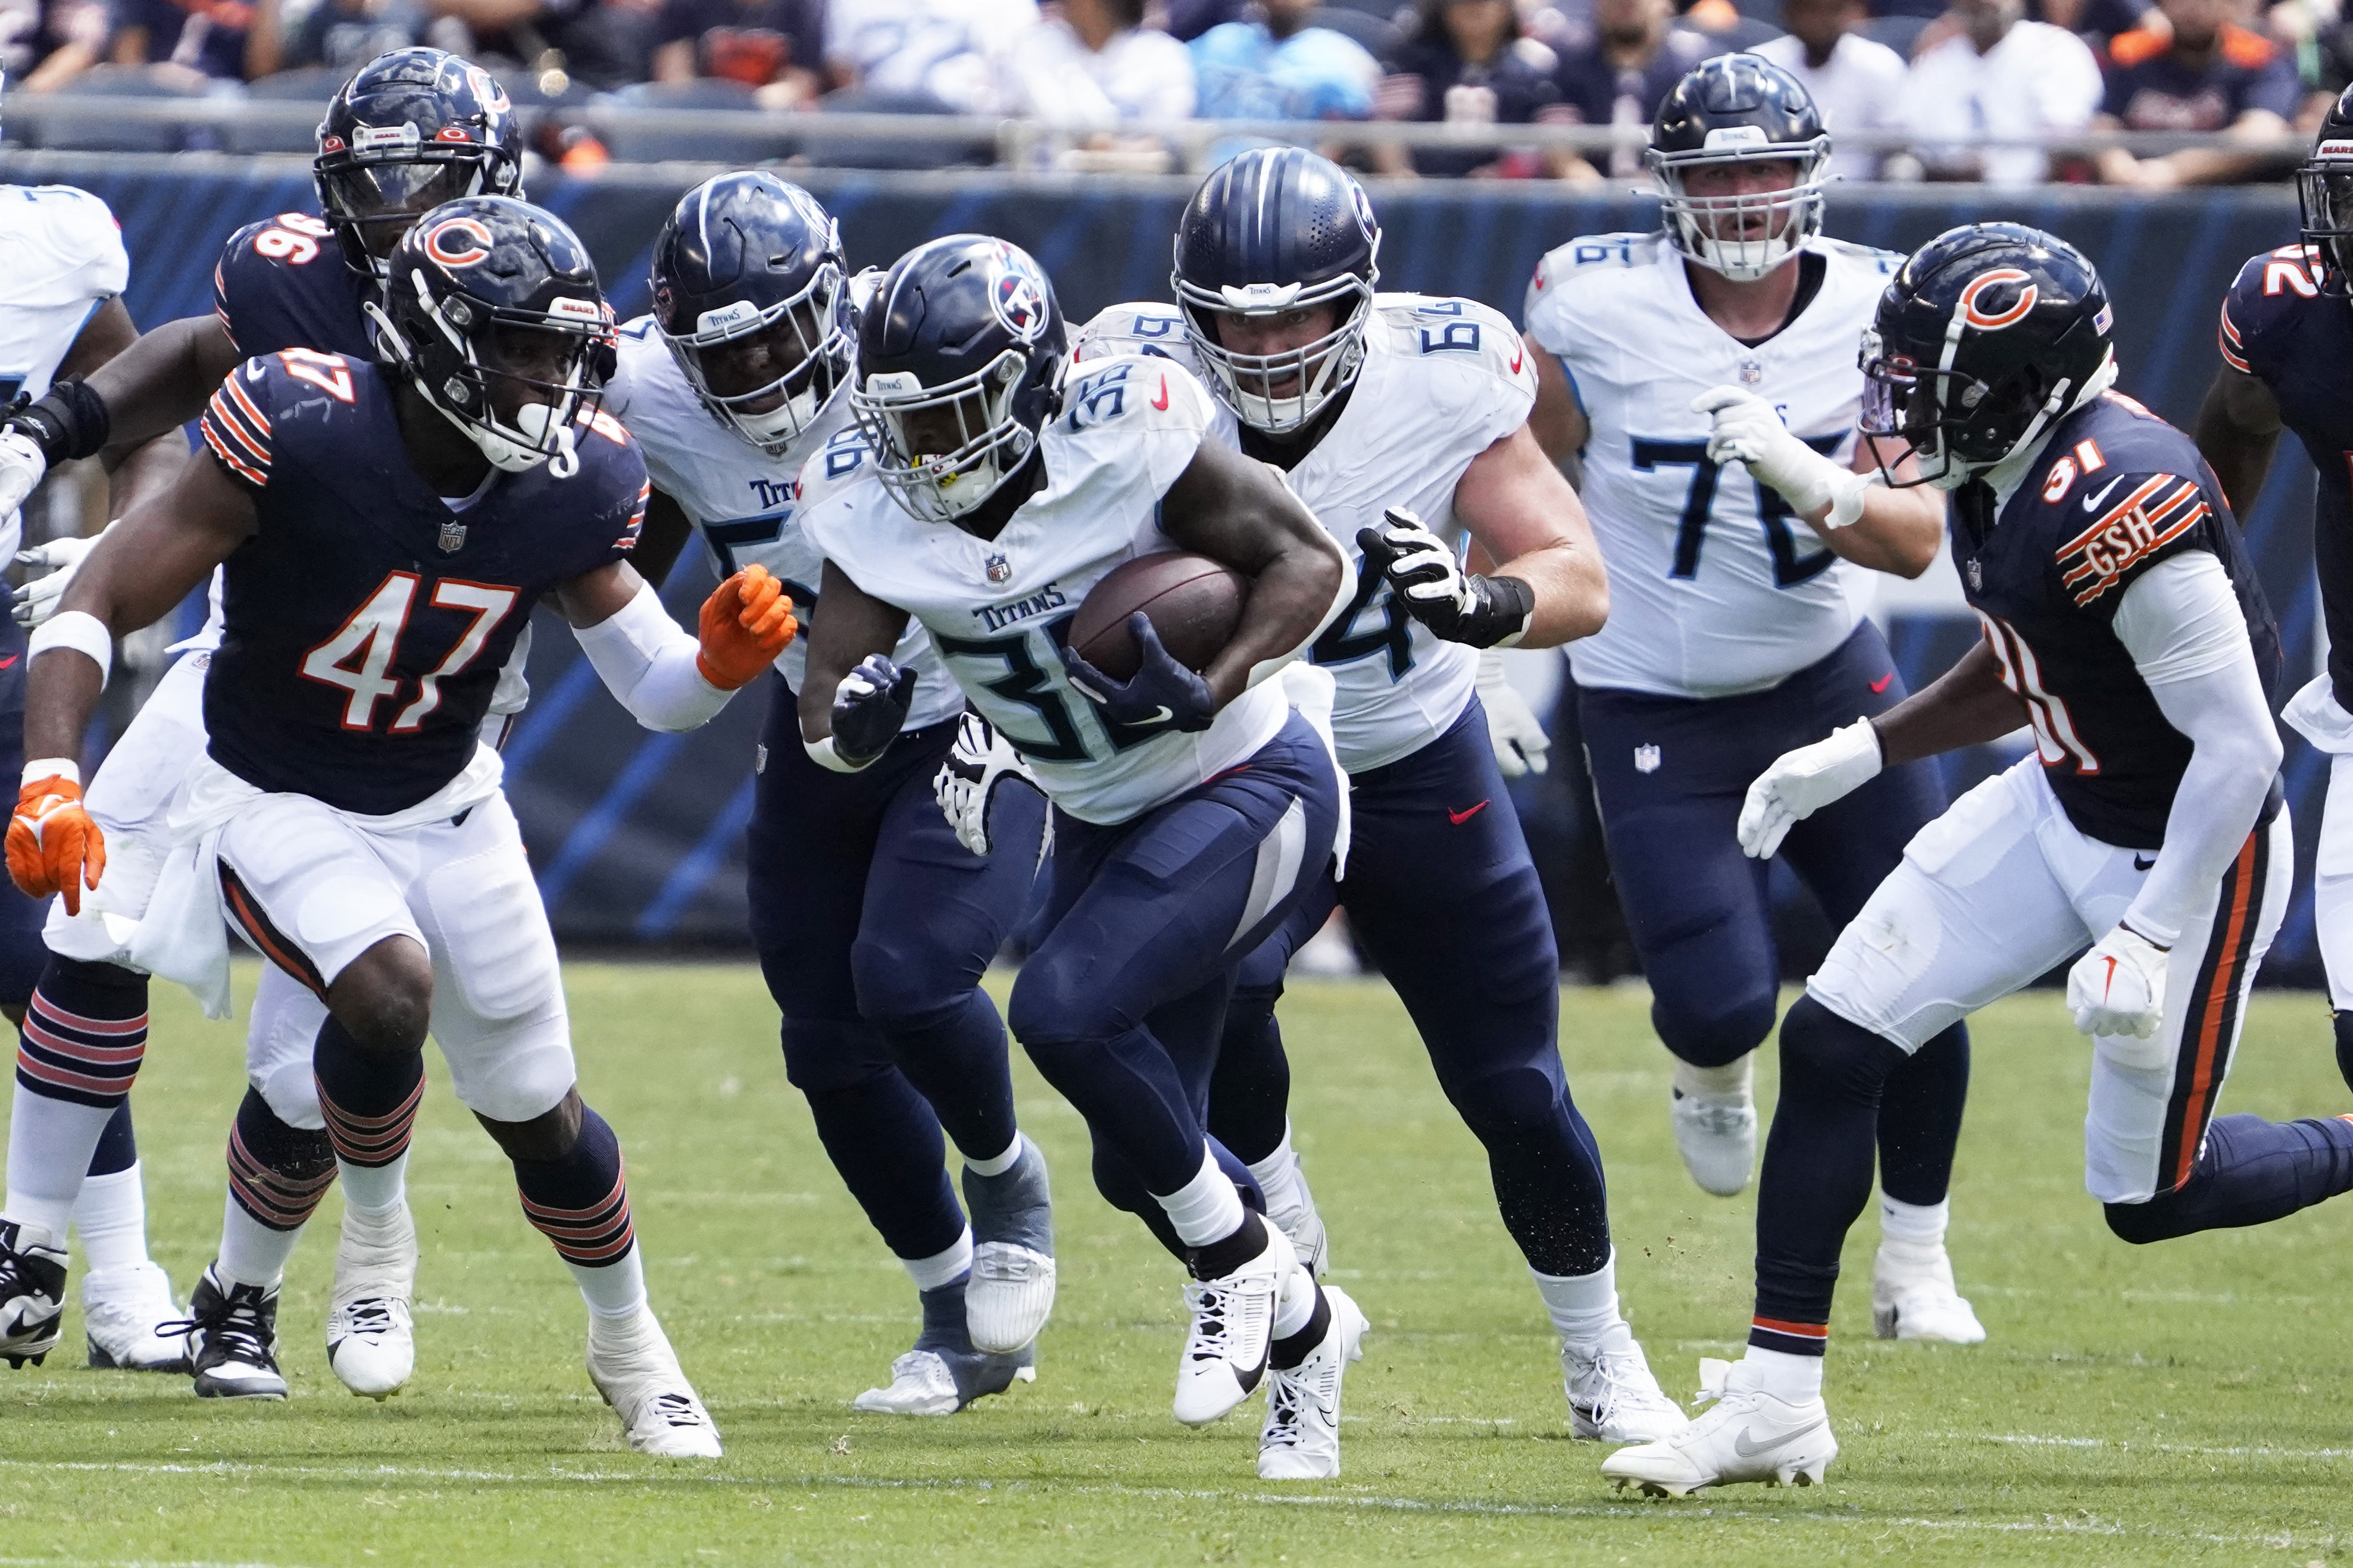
(53, 845)
(745, 624)
(2119, 987)
(1163, 693)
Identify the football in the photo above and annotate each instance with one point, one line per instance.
(1194, 604)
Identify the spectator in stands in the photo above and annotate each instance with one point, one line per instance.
(601, 43)
(1093, 65)
(1274, 66)
(923, 56)
(45, 44)
(1856, 84)
(1638, 53)
(2096, 21)
(1999, 77)
(195, 40)
(775, 47)
(1465, 63)
(2202, 72)
(343, 34)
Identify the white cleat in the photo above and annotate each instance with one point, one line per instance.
(1233, 1326)
(1750, 1435)
(1717, 1139)
(32, 1292)
(1612, 1397)
(371, 1342)
(941, 1383)
(1911, 1301)
(121, 1309)
(1301, 1440)
(632, 1365)
(1008, 1298)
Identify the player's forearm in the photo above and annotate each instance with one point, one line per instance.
(1291, 600)
(1572, 592)
(2240, 452)
(1966, 706)
(1900, 531)
(142, 471)
(162, 381)
(652, 665)
(856, 625)
(61, 691)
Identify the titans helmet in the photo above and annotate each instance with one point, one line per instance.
(1739, 110)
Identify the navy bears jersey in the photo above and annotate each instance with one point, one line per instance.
(283, 284)
(2116, 492)
(2278, 327)
(368, 621)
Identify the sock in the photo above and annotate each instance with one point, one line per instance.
(1582, 1307)
(1297, 1304)
(118, 1145)
(252, 1253)
(373, 1190)
(1302, 1316)
(1730, 1082)
(77, 1054)
(1001, 1164)
(1205, 1209)
(580, 1201)
(1278, 1174)
(369, 1103)
(110, 1216)
(1784, 1375)
(942, 1268)
(1911, 1232)
(1221, 1257)
(944, 1320)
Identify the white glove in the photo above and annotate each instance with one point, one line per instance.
(979, 762)
(1519, 740)
(21, 468)
(2119, 987)
(37, 600)
(1750, 430)
(1802, 782)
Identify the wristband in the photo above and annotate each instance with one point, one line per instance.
(52, 768)
(72, 421)
(822, 754)
(80, 631)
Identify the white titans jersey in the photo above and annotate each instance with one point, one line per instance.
(997, 609)
(740, 500)
(61, 257)
(1716, 586)
(1442, 380)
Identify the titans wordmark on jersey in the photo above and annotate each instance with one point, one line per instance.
(1716, 586)
(1442, 380)
(741, 499)
(366, 621)
(998, 610)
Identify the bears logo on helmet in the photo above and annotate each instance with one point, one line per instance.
(458, 242)
(1989, 321)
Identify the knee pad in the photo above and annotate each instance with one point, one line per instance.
(1716, 1039)
(826, 1054)
(897, 990)
(2143, 1223)
(1843, 1057)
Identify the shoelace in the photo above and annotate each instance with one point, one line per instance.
(372, 1315)
(1287, 1414)
(1014, 1266)
(236, 1325)
(1210, 1329)
(677, 1410)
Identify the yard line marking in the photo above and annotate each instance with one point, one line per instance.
(2234, 1451)
(123, 1563)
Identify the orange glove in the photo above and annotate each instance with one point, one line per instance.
(747, 623)
(53, 845)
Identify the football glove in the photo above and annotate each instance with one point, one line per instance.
(1519, 740)
(2119, 987)
(1802, 782)
(744, 625)
(1161, 695)
(1750, 430)
(979, 763)
(870, 709)
(1460, 606)
(21, 468)
(53, 845)
(37, 600)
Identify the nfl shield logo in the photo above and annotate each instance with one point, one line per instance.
(1000, 569)
(453, 538)
(1752, 372)
(1977, 577)
(1646, 759)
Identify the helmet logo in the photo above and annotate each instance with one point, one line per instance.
(486, 87)
(458, 242)
(1364, 206)
(1987, 321)
(330, 143)
(452, 134)
(1020, 297)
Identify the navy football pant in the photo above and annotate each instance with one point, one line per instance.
(1671, 774)
(874, 927)
(1144, 923)
(1441, 891)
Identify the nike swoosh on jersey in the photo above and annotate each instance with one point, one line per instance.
(1740, 1444)
(2092, 503)
(1882, 683)
(1460, 818)
(4, 663)
(1518, 355)
(1161, 402)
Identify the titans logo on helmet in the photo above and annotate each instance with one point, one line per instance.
(1020, 295)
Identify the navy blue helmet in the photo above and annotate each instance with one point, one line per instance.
(412, 128)
(1986, 336)
(1277, 230)
(959, 363)
(750, 293)
(2323, 189)
(493, 312)
(1733, 110)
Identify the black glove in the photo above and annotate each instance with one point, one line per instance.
(1457, 606)
(870, 709)
(1163, 695)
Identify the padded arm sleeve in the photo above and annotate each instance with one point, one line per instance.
(646, 660)
(2182, 625)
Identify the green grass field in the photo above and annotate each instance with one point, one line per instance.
(2186, 1403)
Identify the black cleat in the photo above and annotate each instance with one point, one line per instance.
(32, 1292)
(233, 1340)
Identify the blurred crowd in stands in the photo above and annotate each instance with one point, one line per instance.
(1947, 74)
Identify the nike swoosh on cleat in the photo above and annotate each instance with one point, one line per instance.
(1160, 715)
(2141, 862)
(1882, 683)
(1740, 1444)
(2090, 504)
(1460, 818)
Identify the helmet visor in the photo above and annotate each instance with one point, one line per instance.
(381, 199)
(1903, 411)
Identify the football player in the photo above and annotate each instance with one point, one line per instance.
(1192, 811)
(386, 529)
(1397, 417)
(62, 272)
(409, 129)
(873, 924)
(1706, 375)
(2125, 624)
(2288, 363)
